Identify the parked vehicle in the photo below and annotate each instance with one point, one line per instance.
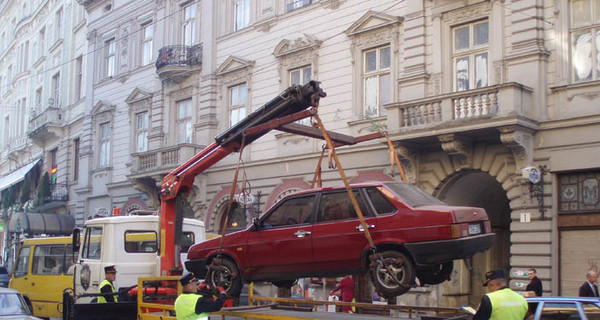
(13, 306)
(41, 273)
(4, 277)
(317, 233)
(564, 308)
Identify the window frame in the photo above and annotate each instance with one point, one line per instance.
(188, 27)
(110, 46)
(87, 243)
(576, 31)
(471, 53)
(379, 72)
(78, 78)
(291, 5)
(241, 107)
(186, 120)
(56, 90)
(147, 46)
(75, 161)
(142, 130)
(58, 24)
(241, 21)
(127, 248)
(104, 145)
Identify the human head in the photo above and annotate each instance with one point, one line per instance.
(494, 280)
(189, 282)
(110, 273)
(532, 273)
(591, 276)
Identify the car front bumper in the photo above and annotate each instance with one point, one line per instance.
(435, 252)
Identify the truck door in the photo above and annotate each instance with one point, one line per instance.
(338, 238)
(89, 273)
(20, 276)
(283, 241)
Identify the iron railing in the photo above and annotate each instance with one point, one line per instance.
(179, 55)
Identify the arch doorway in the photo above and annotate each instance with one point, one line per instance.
(478, 189)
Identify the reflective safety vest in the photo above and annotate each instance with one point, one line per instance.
(102, 299)
(185, 307)
(507, 305)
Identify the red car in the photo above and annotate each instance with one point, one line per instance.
(316, 233)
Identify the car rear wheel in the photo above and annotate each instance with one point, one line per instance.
(435, 274)
(225, 275)
(401, 268)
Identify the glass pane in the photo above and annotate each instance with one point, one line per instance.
(598, 51)
(580, 13)
(371, 93)
(481, 70)
(246, 12)
(337, 206)
(188, 131)
(462, 74)
(370, 61)
(307, 75)
(384, 58)
(582, 56)
(385, 92)
(180, 110)
(380, 203)
(481, 34)
(22, 262)
(243, 94)
(295, 77)
(461, 38)
(291, 212)
(91, 247)
(140, 241)
(48, 259)
(234, 96)
(239, 15)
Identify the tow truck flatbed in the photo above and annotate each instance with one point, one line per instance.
(268, 312)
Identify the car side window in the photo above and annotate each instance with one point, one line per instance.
(338, 206)
(560, 310)
(291, 212)
(381, 204)
(48, 259)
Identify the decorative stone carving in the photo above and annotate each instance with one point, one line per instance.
(408, 159)
(459, 148)
(286, 46)
(91, 35)
(332, 4)
(468, 13)
(520, 142)
(586, 95)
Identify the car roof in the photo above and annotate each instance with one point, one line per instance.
(342, 187)
(8, 290)
(563, 299)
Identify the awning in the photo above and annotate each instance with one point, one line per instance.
(17, 175)
(41, 223)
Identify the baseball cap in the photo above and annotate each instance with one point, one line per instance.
(186, 278)
(492, 275)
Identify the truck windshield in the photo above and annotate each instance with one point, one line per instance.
(413, 195)
(91, 245)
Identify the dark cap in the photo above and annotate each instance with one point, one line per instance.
(492, 275)
(186, 278)
(108, 269)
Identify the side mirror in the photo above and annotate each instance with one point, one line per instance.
(76, 239)
(255, 224)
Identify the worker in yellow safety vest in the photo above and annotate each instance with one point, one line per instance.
(191, 305)
(500, 303)
(107, 286)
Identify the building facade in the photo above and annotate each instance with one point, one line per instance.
(489, 103)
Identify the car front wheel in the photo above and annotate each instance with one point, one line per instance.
(226, 275)
(392, 274)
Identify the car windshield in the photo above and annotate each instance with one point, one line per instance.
(11, 304)
(413, 195)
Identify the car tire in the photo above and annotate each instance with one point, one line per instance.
(435, 274)
(403, 268)
(230, 279)
(284, 283)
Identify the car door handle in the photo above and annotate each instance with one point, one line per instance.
(302, 233)
(361, 229)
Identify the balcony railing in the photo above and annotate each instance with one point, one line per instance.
(17, 143)
(58, 192)
(50, 116)
(163, 159)
(499, 100)
(179, 55)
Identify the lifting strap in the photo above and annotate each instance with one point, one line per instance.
(317, 176)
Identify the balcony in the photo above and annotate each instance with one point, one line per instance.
(473, 112)
(17, 144)
(162, 161)
(176, 63)
(46, 126)
(58, 197)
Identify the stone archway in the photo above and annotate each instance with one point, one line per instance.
(479, 189)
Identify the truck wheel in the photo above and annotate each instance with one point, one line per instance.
(228, 277)
(435, 274)
(400, 265)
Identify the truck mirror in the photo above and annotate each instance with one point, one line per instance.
(76, 239)
(255, 224)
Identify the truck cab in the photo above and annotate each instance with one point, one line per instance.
(131, 243)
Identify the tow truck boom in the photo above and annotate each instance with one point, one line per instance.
(292, 100)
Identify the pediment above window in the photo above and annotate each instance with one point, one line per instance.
(232, 64)
(103, 107)
(286, 46)
(138, 95)
(371, 21)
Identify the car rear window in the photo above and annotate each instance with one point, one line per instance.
(413, 195)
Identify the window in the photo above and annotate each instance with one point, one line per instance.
(585, 38)
(42, 43)
(22, 264)
(291, 212)
(237, 103)
(56, 90)
(75, 160)
(141, 128)
(140, 241)
(380, 203)
(111, 58)
(376, 77)
(295, 4)
(48, 259)
(338, 206)
(38, 99)
(187, 240)
(52, 158)
(104, 145)
(579, 192)
(78, 78)
(184, 121)
(189, 24)
(242, 14)
(147, 33)
(92, 248)
(301, 76)
(470, 55)
(58, 24)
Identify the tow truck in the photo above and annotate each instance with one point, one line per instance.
(154, 296)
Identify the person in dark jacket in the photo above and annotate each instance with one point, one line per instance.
(191, 304)
(535, 284)
(589, 287)
(500, 303)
